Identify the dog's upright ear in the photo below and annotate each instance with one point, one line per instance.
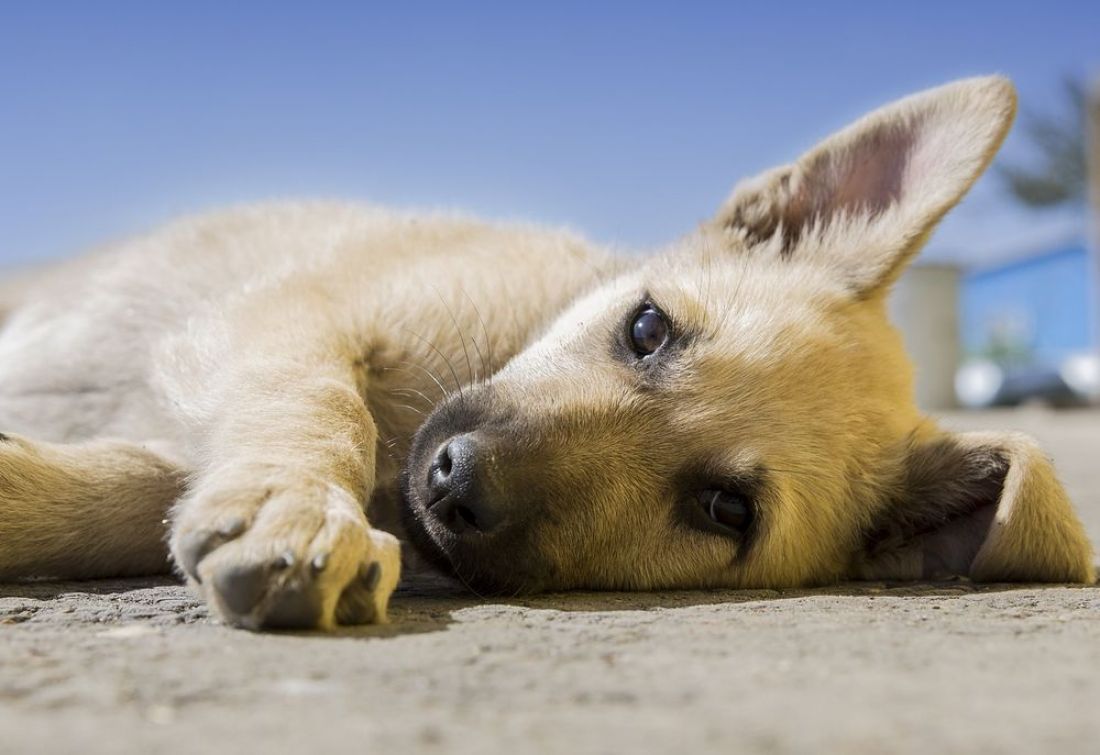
(987, 506)
(864, 201)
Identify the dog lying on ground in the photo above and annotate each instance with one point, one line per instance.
(230, 393)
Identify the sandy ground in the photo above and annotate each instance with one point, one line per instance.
(138, 666)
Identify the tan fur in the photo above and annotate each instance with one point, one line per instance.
(285, 356)
(90, 509)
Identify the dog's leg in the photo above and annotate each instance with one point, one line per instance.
(273, 530)
(87, 510)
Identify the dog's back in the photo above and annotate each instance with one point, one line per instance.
(110, 343)
(17, 284)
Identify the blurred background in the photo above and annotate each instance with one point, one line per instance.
(629, 122)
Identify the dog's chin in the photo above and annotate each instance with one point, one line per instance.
(420, 535)
(484, 567)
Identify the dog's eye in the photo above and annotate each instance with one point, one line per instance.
(648, 332)
(728, 509)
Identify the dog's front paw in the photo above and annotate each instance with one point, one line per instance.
(285, 554)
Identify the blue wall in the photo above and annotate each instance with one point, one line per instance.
(1038, 308)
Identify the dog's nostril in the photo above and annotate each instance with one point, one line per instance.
(439, 475)
(457, 495)
(443, 460)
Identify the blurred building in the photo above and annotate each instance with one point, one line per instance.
(1029, 311)
(1021, 328)
(925, 306)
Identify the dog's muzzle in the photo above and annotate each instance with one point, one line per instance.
(466, 507)
(459, 493)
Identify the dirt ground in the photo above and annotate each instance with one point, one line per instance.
(138, 666)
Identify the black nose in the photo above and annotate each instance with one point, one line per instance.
(458, 495)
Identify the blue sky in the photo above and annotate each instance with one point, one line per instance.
(629, 122)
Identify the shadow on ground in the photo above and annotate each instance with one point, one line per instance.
(424, 603)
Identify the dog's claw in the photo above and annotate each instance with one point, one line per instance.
(193, 548)
(285, 561)
(196, 546)
(232, 528)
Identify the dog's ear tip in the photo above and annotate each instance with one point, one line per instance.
(864, 200)
(995, 86)
(1005, 88)
(991, 102)
(996, 90)
(997, 95)
(1001, 87)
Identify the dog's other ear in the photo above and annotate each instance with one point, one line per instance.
(864, 201)
(986, 506)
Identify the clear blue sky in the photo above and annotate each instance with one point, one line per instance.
(626, 121)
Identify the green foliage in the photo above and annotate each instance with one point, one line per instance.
(1009, 341)
(1060, 177)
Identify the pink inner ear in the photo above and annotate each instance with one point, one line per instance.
(951, 550)
(867, 176)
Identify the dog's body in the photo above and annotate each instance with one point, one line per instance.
(734, 412)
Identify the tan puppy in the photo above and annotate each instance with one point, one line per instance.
(735, 411)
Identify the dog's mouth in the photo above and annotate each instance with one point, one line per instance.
(457, 521)
(494, 564)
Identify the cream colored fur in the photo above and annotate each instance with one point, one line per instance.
(283, 356)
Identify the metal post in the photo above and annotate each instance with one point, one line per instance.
(1092, 138)
(924, 305)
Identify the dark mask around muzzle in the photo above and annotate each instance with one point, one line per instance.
(467, 506)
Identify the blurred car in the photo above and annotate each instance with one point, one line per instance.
(983, 383)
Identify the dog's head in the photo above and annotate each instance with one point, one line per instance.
(738, 411)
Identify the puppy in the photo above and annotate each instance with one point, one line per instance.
(255, 396)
